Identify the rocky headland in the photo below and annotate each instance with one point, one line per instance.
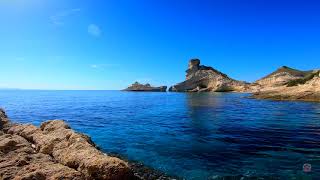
(54, 151)
(289, 84)
(145, 87)
(200, 78)
(283, 84)
(282, 76)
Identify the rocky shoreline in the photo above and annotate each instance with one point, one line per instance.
(290, 85)
(55, 151)
(144, 172)
(288, 94)
(283, 84)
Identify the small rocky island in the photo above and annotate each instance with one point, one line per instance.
(145, 87)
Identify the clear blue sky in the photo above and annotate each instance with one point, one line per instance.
(82, 44)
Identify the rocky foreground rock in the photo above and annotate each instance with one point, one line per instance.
(145, 87)
(200, 78)
(54, 151)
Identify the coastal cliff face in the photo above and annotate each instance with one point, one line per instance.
(201, 78)
(306, 88)
(145, 87)
(283, 84)
(54, 151)
(281, 77)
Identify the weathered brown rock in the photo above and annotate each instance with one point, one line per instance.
(18, 160)
(201, 78)
(54, 151)
(145, 87)
(4, 122)
(74, 150)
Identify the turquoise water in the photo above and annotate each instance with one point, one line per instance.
(193, 136)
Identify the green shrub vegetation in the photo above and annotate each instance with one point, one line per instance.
(303, 80)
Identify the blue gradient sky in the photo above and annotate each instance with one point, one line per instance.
(81, 44)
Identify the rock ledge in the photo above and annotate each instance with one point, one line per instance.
(54, 151)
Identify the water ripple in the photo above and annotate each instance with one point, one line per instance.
(195, 136)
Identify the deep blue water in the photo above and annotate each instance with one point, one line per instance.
(194, 136)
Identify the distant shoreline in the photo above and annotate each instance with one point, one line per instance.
(252, 95)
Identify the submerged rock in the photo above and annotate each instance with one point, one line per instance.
(201, 78)
(145, 87)
(54, 151)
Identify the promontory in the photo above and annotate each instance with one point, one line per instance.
(200, 78)
(283, 84)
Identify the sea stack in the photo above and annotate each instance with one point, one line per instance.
(200, 78)
(145, 87)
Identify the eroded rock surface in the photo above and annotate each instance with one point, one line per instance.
(308, 91)
(145, 87)
(201, 78)
(4, 122)
(283, 84)
(289, 84)
(54, 151)
(281, 77)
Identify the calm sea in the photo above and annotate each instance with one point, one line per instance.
(193, 136)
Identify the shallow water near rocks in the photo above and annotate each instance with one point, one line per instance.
(190, 135)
